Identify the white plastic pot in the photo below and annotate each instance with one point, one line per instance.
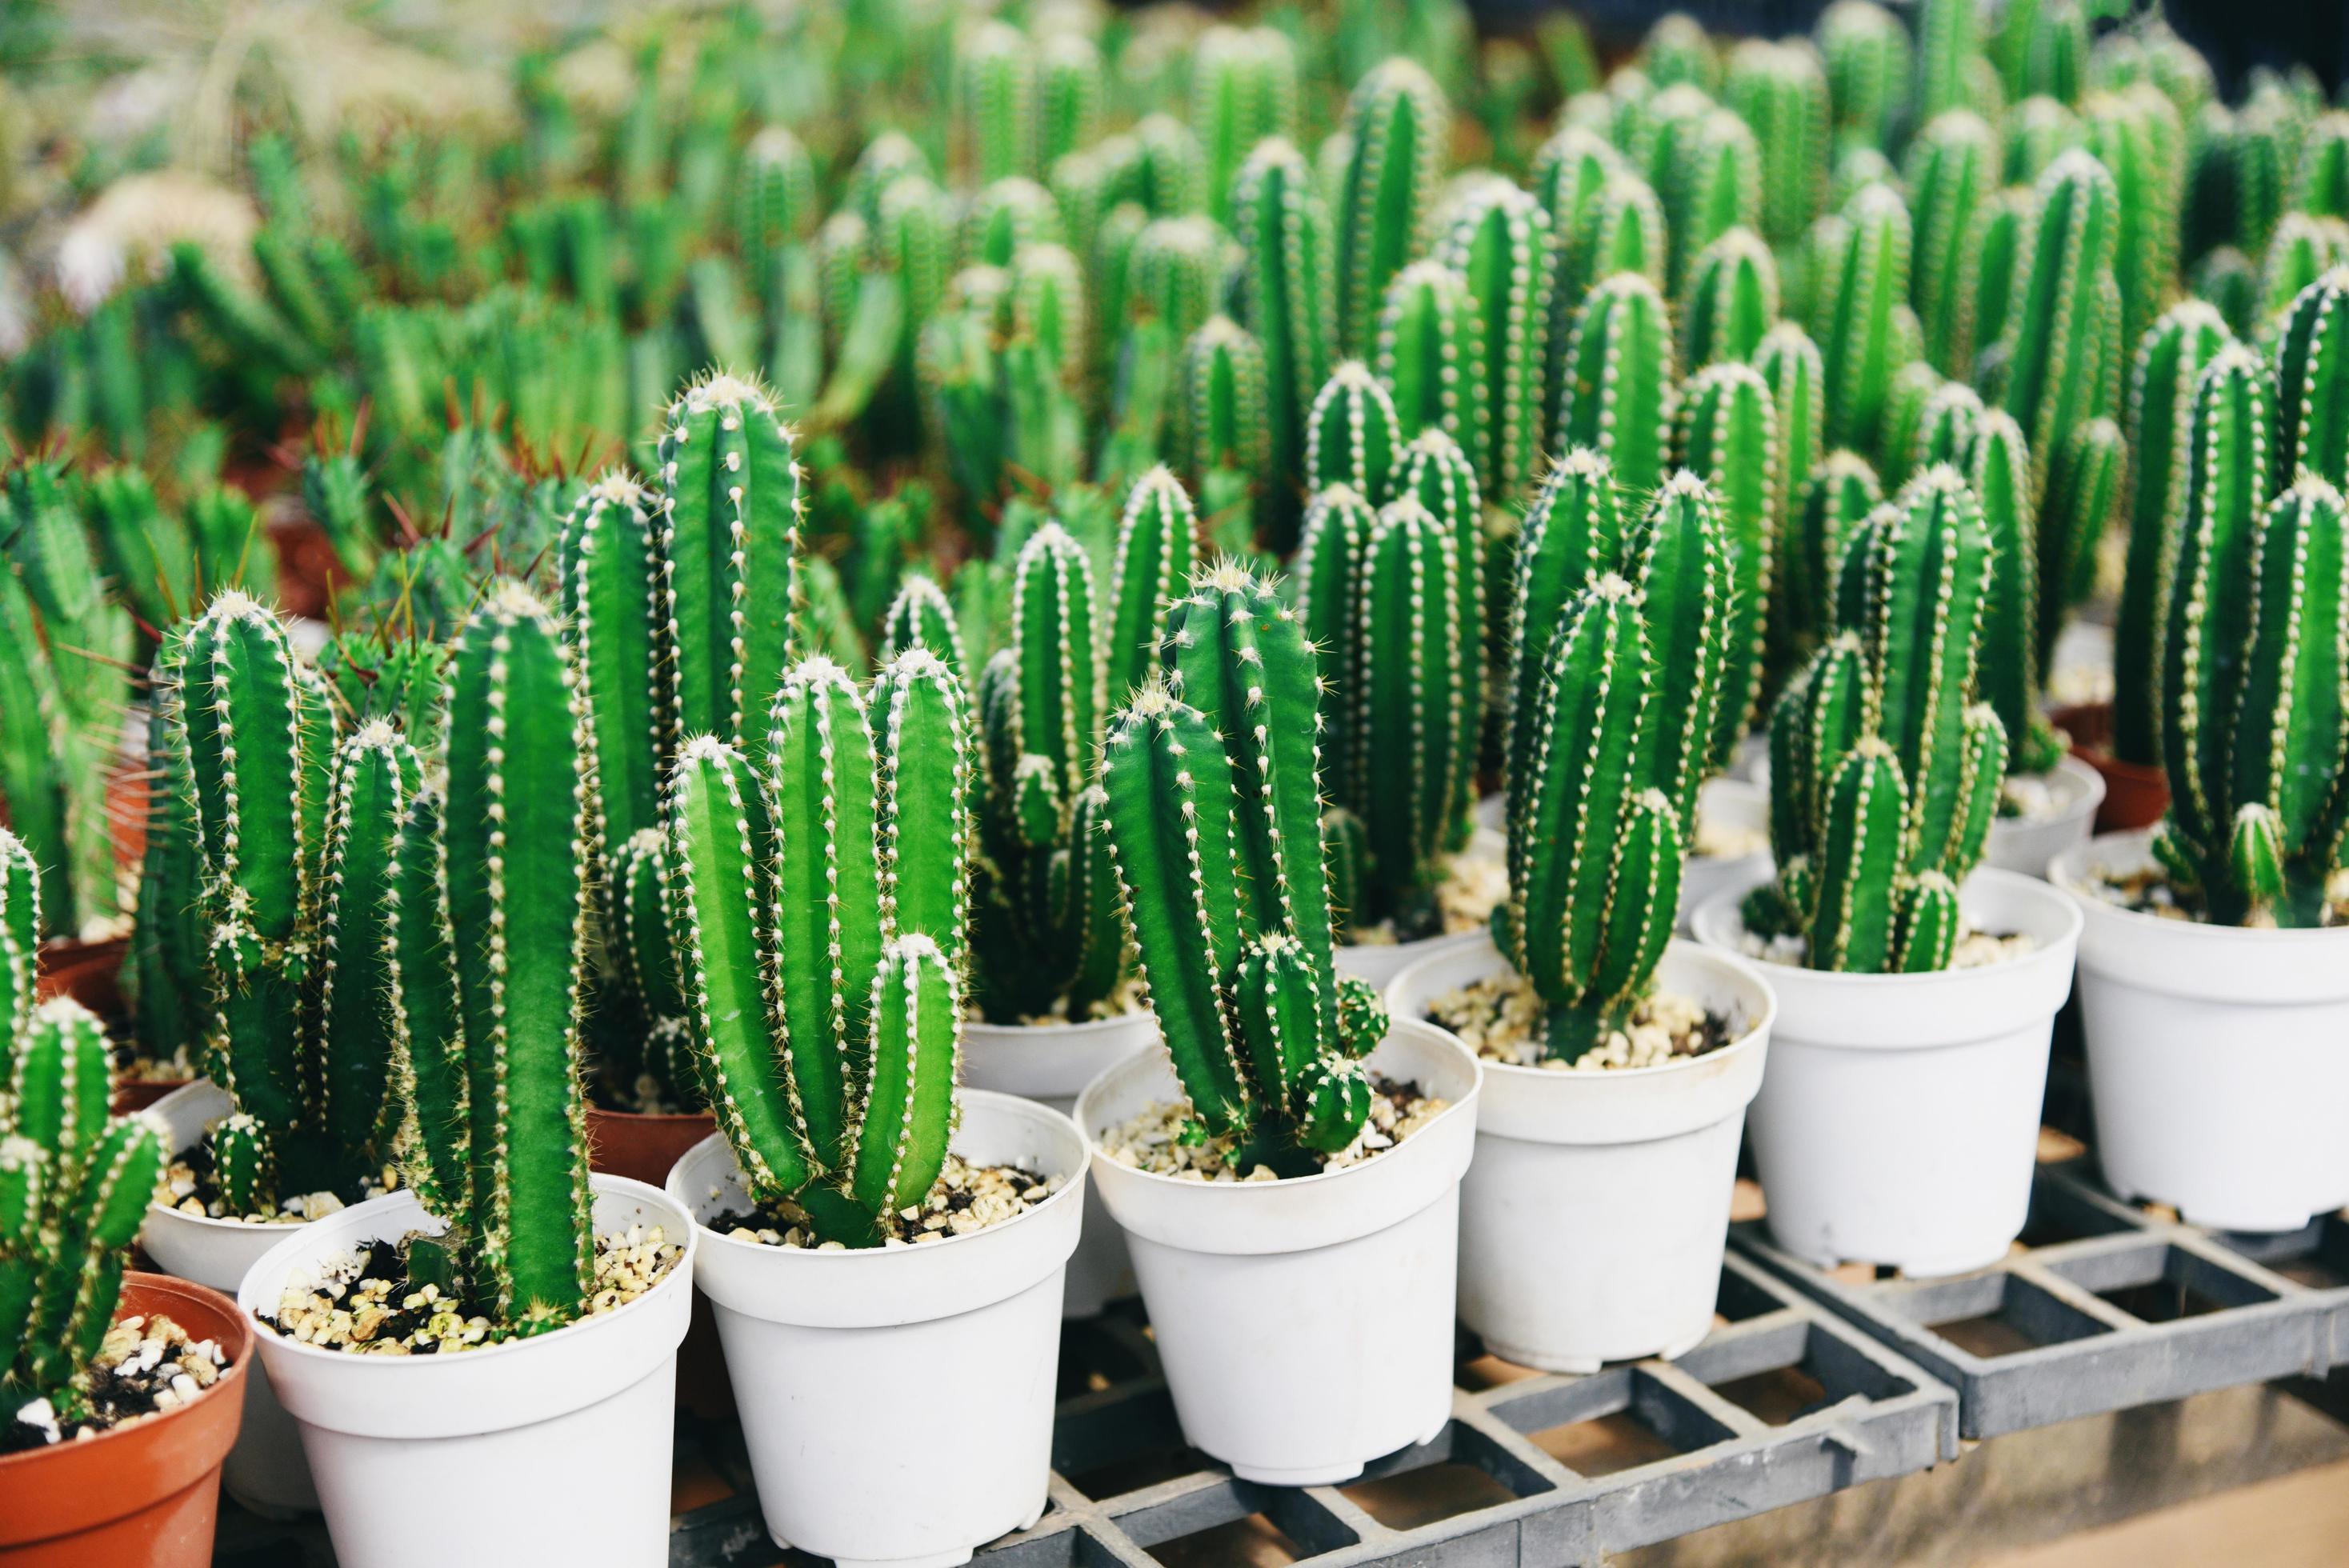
(897, 1402)
(2030, 844)
(549, 1449)
(1592, 1222)
(1732, 803)
(1379, 963)
(2218, 1057)
(1900, 1121)
(1050, 1064)
(1305, 1325)
(266, 1471)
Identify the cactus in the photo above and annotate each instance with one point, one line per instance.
(1616, 395)
(1885, 770)
(2136, 136)
(1841, 493)
(1396, 124)
(1728, 437)
(1729, 302)
(728, 544)
(74, 1183)
(2303, 251)
(1609, 756)
(1430, 354)
(1243, 91)
(1353, 434)
(2162, 401)
(2083, 494)
(1070, 91)
(1994, 254)
(2061, 349)
(995, 95)
(829, 1015)
(1868, 57)
(1499, 242)
(163, 972)
(1157, 548)
(1226, 437)
(2313, 382)
(1953, 169)
(1860, 325)
(1712, 184)
(1284, 297)
(1781, 90)
(1046, 936)
(1790, 364)
(1211, 806)
(1947, 44)
(2253, 743)
(490, 916)
(1677, 50)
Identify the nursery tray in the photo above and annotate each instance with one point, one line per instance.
(2099, 1308)
(1782, 1403)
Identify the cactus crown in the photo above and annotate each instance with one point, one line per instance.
(817, 908)
(1212, 804)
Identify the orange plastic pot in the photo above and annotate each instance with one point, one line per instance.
(644, 1149)
(2135, 795)
(143, 1496)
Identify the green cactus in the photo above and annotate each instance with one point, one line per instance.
(1790, 364)
(1070, 95)
(2313, 382)
(1842, 491)
(994, 98)
(1225, 426)
(1863, 323)
(1711, 184)
(1616, 393)
(2084, 495)
(1947, 44)
(1353, 434)
(1729, 302)
(1728, 439)
(1780, 90)
(2253, 743)
(829, 1018)
(1396, 125)
(1211, 806)
(1868, 57)
(1995, 257)
(2061, 349)
(1157, 549)
(1499, 242)
(74, 1183)
(2162, 401)
(1430, 354)
(921, 615)
(2136, 136)
(2304, 250)
(1243, 91)
(1284, 297)
(1678, 50)
(1953, 169)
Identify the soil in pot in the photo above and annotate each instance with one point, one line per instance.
(1473, 886)
(1162, 1139)
(144, 1491)
(965, 1198)
(1503, 1019)
(148, 1365)
(189, 1187)
(2146, 891)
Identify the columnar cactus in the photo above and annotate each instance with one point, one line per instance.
(2162, 401)
(1947, 44)
(774, 201)
(2312, 381)
(2061, 349)
(1285, 291)
(995, 94)
(1225, 423)
(1353, 434)
(1729, 301)
(74, 1183)
(1791, 365)
(2136, 136)
(1069, 95)
(1841, 493)
(826, 1004)
(1953, 169)
(164, 973)
(1430, 354)
(1243, 91)
(1500, 243)
(1996, 462)
(728, 541)
(1885, 769)
(1396, 125)
(2253, 744)
(922, 616)
(1157, 549)
(1728, 437)
(1863, 323)
(1868, 58)
(1712, 184)
(1047, 936)
(1781, 90)
(1213, 809)
(2084, 495)
(1615, 394)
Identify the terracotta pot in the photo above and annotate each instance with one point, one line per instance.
(2135, 795)
(644, 1149)
(89, 972)
(143, 1496)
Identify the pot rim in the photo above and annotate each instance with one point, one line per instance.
(1745, 968)
(671, 1116)
(681, 1270)
(2058, 948)
(2070, 874)
(1125, 1020)
(1072, 1183)
(231, 1375)
(1096, 1153)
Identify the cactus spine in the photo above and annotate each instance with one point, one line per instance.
(1499, 243)
(1353, 434)
(1616, 393)
(1861, 325)
(2312, 381)
(1396, 124)
(1284, 295)
(2062, 348)
(1728, 439)
(1952, 170)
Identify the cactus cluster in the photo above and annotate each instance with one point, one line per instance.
(1213, 806)
(75, 1181)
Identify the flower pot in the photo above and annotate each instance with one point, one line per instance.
(1900, 1121)
(2027, 845)
(141, 1496)
(2218, 1057)
(647, 1148)
(1305, 1325)
(897, 1401)
(266, 1471)
(89, 972)
(1732, 803)
(1592, 1222)
(549, 1449)
(2136, 794)
(1380, 962)
(1050, 1064)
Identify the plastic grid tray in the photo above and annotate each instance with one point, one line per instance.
(2101, 1306)
(1782, 1403)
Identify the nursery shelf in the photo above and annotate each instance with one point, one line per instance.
(2100, 1307)
(1781, 1404)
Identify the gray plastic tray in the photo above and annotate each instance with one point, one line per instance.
(2103, 1306)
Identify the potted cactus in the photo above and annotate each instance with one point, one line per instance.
(106, 1459)
(1288, 1136)
(1617, 1061)
(1053, 985)
(1916, 994)
(863, 1223)
(413, 1337)
(2211, 985)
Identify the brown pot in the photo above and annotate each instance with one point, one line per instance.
(2135, 795)
(89, 972)
(141, 1496)
(644, 1149)
(134, 1094)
